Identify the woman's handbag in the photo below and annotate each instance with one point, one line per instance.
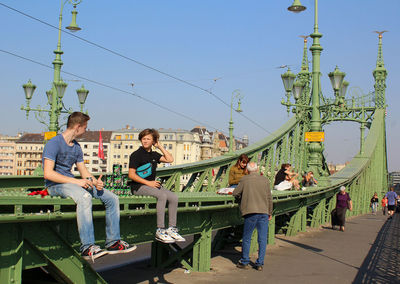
(334, 218)
(144, 170)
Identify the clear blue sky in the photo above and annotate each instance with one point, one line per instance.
(240, 42)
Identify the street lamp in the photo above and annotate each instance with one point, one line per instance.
(336, 78)
(58, 87)
(235, 95)
(288, 80)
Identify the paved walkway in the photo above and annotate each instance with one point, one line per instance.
(368, 252)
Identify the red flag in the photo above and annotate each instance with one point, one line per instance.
(101, 149)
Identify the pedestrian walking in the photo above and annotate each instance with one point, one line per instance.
(374, 203)
(384, 204)
(392, 201)
(343, 202)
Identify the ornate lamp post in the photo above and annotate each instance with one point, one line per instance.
(331, 110)
(235, 95)
(56, 93)
(315, 148)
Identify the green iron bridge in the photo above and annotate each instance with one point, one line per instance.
(41, 232)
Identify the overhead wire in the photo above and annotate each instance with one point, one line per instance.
(137, 62)
(116, 89)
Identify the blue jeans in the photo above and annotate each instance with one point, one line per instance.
(83, 200)
(374, 207)
(252, 221)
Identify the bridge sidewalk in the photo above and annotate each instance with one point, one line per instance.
(368, 252)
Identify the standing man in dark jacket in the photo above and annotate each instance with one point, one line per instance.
(256, 207)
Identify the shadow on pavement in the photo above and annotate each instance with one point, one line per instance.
(382, 262)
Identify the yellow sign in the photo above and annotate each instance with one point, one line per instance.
(49, 134)
(314, 137)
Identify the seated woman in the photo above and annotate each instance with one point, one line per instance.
(309, 180)
(142, 170)
(285, 178)
(238, 170)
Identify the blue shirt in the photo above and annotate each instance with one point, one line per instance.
(63, 155)
(391, 196)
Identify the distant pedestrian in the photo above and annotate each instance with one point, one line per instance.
(374, 203)
(343, 202)
(256, 208)
(384, 204)
(392, 201)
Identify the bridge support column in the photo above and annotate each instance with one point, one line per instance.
(11, 252)
(318, 216)
(202, 250)
(298, 222)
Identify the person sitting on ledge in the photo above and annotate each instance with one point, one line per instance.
(285, 179)
(309, 180)
(142, 170)
(238, 170)
(59, 155)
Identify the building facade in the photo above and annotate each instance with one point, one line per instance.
(28, 153)
(215, 144)
(89, 143)
(7, 155)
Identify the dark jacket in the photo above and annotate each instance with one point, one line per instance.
(255, 193)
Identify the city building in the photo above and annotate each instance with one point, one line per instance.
(89, 143)
(28, 153)
(394, 179)
(335, 168)
(215, 144)
(7, 155)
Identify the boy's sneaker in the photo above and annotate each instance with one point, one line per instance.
(120, 247)
(93, 252)
(173, 233)
(162, 236)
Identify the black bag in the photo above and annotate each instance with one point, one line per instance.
(334, 218)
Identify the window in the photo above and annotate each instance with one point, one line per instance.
(94, 154)
(165, 137)
(95, 170)
(171, 137)
(126, 146)
(95, 162)
(95, 146)
(125, 156)
(180, 137)
(105, 146)
(131, 137)
(170, 147)
(126, 136)
(86, 162)
(119, 156)
(130, 146)
(117, 137)
(165, 146)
